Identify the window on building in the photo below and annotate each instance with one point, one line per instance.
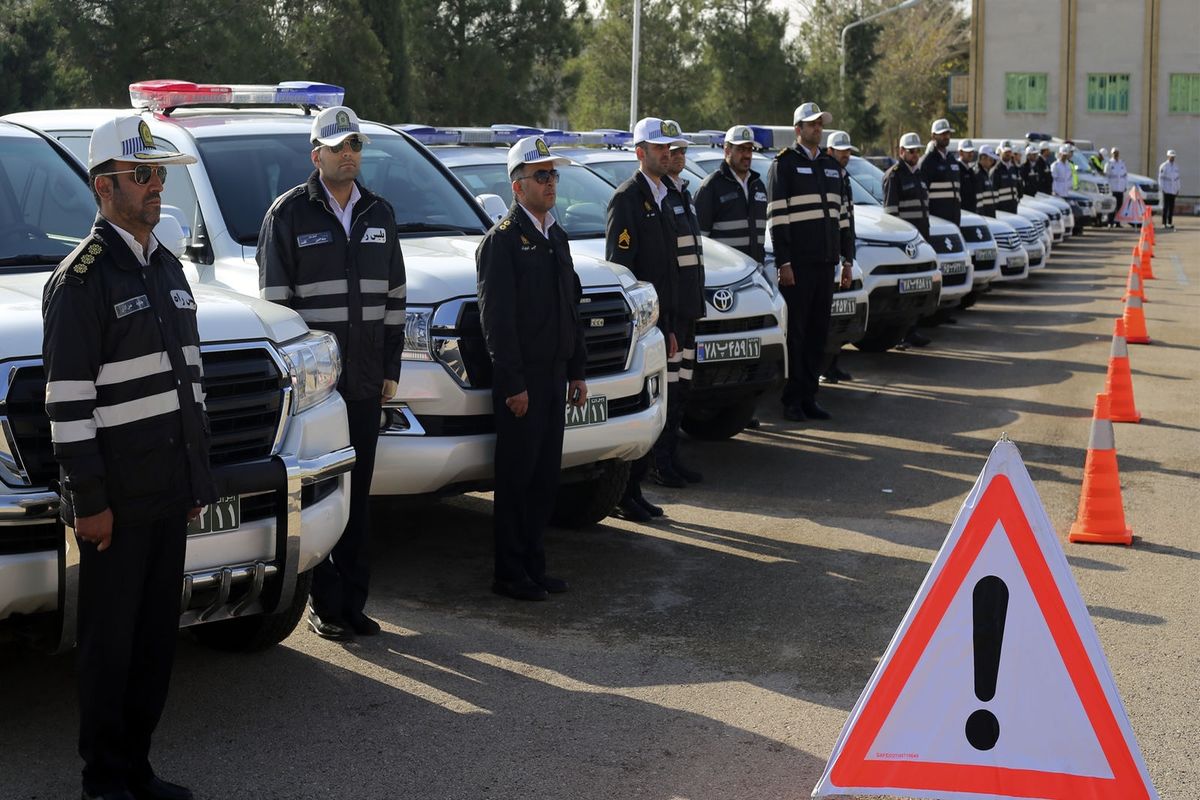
(1185, 93)
(960, 91)
(1025, 91)
(1108, 93)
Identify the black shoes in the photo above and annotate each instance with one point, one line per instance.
(552, 585)
(917, 339)
(521, 590)
(629, 508)
(328, 629)
(814, 411)
(689, 475)
(794, 413)
(364, 625)
(158, 789)
(666, 475)
(647, 506)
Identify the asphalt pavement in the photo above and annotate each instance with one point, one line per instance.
(717, 654)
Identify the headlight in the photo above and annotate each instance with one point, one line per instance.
(643, 300)
(1089, 188)
(315, 364)
(416, 334)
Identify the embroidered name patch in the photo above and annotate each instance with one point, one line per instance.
(760, 197)
(310, 239)
(374, 236)
(183, 299)
(725, 198)
(804, 170)
(132, 305)
(832, 173)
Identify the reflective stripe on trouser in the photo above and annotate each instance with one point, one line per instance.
(679, 381)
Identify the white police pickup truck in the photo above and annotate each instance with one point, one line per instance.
(438, 435)
(280, 448)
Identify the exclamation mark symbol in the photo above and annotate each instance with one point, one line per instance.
(991, 607)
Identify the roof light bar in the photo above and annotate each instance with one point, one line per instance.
(160, 95)
(773, 137)
(715, 138)
(700, 138)
(427, 134)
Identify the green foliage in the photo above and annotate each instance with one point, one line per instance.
(29, 40)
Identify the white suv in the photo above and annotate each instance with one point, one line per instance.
(280, 448)
(438, 436)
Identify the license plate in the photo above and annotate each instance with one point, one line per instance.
(223, 515)
(728, 350)
(985, 255)
(844, 307)
(593, 412)
(912, 285)
(1016, 262)
(954, 268)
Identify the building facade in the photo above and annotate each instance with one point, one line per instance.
(1122, 73)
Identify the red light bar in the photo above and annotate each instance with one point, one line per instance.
(167, 93)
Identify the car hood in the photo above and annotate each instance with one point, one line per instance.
(723, 265)
(222, 315)
(1014, 220)
(870, 222)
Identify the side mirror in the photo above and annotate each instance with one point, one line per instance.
(493, 205)
(170, 234)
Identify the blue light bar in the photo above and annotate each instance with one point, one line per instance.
(307, 93)
(511, 134)
(612, 137)
(773, 137)
(427, 134)
(716, 138)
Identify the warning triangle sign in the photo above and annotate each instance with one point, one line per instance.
(995, 683)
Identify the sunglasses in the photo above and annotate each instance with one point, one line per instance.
(141, 173)
(354, 142)
(542, 176)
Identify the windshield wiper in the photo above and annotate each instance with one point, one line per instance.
(433, 227)
(30, 260)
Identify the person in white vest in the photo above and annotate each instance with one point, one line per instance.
(1168, 182)
(1114, 170)
(1061, 173)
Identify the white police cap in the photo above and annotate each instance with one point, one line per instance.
(533, 150)
(941, 126)
(811, 112)
(739, 134)
(911, 141)
(966, 146)
(987, 150)
(334, 125)
(652, 130)
(127, 137)
(840, 140)
(1170, 153)
(670, 124)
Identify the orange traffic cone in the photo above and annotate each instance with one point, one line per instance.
(1135, 322)
(1143, 257)
(1148, 228)
(1119, 383)
(1101, 517)
(1133, 286)
(1146, 242)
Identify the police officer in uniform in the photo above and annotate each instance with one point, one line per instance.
(1168, 181)
(940, 171)
(905, 196)
(328, 249)
(810, 229)
(1028, 170)
(966, 186)
(125, 398)
(731, 203)
(1005, 181)
(529, 308)
(1062, 172)
(1118, 180)
(1045, 183)
(641, 234)
(667, 469)
(839, 149)
(981, 172)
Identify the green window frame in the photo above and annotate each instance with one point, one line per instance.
(1025, 91)
(1108, 92)
(1184, 93)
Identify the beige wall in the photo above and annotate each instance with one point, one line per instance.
(1179, 51)
(1022, 36)
(1109, 39)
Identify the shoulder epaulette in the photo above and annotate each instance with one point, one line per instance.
(83, 261)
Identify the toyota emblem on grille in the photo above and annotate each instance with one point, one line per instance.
(910, 249)
(723, 299)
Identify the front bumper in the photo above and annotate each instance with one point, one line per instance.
(889, 307)
(983, 264)
(718, 384)
(849, 320)
(1012, 265)
(443, 439)
(1036, 255)
(959, 280)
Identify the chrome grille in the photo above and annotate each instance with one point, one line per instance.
(1009, 241)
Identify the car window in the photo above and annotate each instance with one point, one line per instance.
(249, 172)
(46, 208)
(868, 176)
(617, 172)
(582, 199)
(860, 194)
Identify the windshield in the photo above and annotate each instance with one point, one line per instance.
(249, 172)
(1081, 162)
(46, 208)
(581, 207)
(862, 197)
(868, 176)
(617, 172)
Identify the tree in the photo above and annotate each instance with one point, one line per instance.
(30, 38)
(853, 108)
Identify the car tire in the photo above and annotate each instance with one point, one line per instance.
(880, 340)
(724, 424)
(581, 504)
(251, 634)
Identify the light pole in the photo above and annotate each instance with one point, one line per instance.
(863, 21)
(633, 87)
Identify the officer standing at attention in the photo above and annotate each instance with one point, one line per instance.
(1062, 173)
(905, 196)
(130, 434)
(667, 470)
(1114, 170)
(1005, 181)
(839, 149)
(1045, 183)
(966, 187)
(640, 234)
(529, 308)
(810, 228)
(731, 203)
(1029, 176)
(328, 249)
(1097, 161)
(1169, 182)
(985, 191)
(940, 171)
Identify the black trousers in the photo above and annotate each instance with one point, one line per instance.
(1120, 197)
(679, 383)
(528, 464)
(809, 304)
(1168, 212)
(339, 588)
(128, 623)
